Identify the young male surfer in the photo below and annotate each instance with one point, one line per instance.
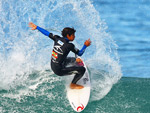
(61, 49)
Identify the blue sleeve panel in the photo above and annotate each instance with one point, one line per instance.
(82, 50)
(43, 31)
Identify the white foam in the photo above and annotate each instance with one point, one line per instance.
(23, 51)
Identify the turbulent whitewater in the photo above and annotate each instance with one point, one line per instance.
(27, 83)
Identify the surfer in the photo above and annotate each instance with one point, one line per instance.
(61, 49)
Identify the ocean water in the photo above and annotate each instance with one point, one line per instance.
(128, 23)
(118, 59)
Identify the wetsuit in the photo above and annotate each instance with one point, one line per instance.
(59, 59)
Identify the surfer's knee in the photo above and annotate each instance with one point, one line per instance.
(82, 70)
(58, 73)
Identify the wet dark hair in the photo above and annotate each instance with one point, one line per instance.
(68, 30)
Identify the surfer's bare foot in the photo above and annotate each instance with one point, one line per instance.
(76, 86)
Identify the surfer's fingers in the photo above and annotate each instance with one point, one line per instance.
(89, 40)
(32, 25)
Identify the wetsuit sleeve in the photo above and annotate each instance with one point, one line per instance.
(80, 53)
(46, 33)
(43, 31)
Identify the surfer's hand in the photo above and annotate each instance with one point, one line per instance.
(87, 42)
(78, 60)
(32, 25)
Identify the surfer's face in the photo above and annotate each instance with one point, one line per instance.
(71, 37)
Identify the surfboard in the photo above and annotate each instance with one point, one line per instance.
(78, 98)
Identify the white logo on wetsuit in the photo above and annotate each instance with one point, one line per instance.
(60, 42)
(58, 49)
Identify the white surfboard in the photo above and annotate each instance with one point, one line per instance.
(79, 98)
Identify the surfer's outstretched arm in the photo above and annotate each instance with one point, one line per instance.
(43, 31)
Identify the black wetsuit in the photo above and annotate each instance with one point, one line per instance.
(59, 59)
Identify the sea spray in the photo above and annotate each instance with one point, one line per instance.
(23, 51)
